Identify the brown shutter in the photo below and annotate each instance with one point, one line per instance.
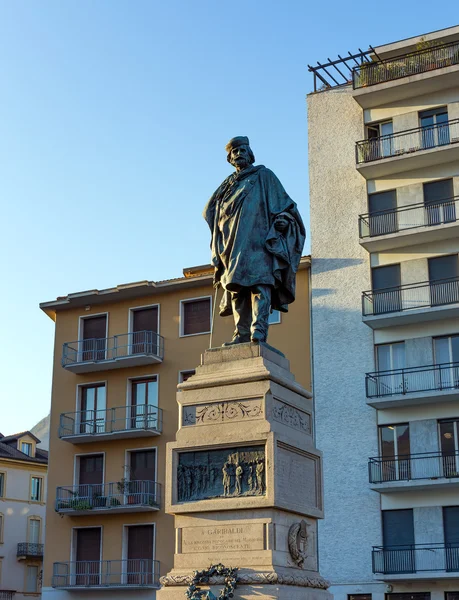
(88, 556)
(91, 469)
(143, 465)
(140, 554)
(196, 316)
(94, 332)
(145, 321)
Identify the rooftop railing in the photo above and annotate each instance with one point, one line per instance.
(112, 348)
(413, 63)
(111, 496)
(426, 465)
(413, 216)
(28, 550)
(90, 423)
(415, 558)
(412, 380)
(407, 142)
(134, 573)
(426, 294)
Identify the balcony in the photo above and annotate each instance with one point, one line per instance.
(415, 471)
(411, 303)
(417, 561)
(27, 550)
(407, 225)
(117, 497)
(413, 385)
(120, 422)
(112, 574)
(7, 594)
(409, 75)
(406, 150)
(102, 354)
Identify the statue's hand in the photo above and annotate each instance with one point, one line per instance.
(281, 224)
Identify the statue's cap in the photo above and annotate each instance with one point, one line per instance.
(235, 142)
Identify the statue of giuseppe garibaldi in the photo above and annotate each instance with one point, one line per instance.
(257, 240)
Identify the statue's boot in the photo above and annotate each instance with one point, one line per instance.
(237, 339)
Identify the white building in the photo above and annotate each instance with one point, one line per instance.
(23, 469)
(384, 190)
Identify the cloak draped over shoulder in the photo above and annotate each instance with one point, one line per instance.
(246, 247)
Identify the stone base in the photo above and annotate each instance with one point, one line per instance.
(254, 592)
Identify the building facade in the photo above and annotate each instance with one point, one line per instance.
(384, 189)
(113, 411)
(23, 472)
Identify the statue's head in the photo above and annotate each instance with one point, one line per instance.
(239, 153)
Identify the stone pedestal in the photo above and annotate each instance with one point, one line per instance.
(244, 478)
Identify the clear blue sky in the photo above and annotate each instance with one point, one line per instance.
(113, 120)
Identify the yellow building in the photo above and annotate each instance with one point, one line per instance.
(119, 355)
(23, 469)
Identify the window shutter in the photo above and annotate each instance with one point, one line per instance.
(196, 316)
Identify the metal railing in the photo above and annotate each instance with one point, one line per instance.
(111, 420)
(106, 573)
(7, 594)
(28, 549)
(407, 142)
(426, 465)
(112, 348)
(115, 495)
(414, 216)
(413, 63)
(426, 294)
(415, 558)
(427, 378)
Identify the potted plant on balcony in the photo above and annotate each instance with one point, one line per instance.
(99, 500)
(127, 487)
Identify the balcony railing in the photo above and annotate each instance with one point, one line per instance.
(30, 550)
(91, 423)
(421, 61)
(113, 348)
(414, 216)
(426, 465)
(415, 558)
(426, 294)
(7, 594)
(134, 573)
(412, 380)
(407, 142)
(108, 497)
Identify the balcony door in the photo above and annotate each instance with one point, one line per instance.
(395, 452)
(386, 289)
(451, 532)
(390, 359)
(446, 351)
(434, 127)
(144, 403)
(439, 204)
(87, 569)
(144, 330)
(94, 338)
(34, 533)
(92, 409)
(91, 474)
(380, 140)
(449, 444)
(398, 541)
(382, 213)
(443, 278)
(140, 551)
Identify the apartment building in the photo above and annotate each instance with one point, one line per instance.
(23, 471)
(384, 190)
(113, 411)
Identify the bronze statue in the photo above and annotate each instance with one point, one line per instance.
(257, 240)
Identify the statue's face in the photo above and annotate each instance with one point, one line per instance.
(240, 158)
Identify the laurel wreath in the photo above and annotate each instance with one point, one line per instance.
(298, 557)
(194, 592)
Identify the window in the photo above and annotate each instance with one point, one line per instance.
(451, 533)
(449, 445)
(94, 335)
(195, 316)
(359, 597)
(34, 531)
(2, 485)
(32, 579)
(446, 353)
(394, 441)
(408, 596)
(143, 465)
(443, 270)
(92, 405)
(435, 127)
(439, 205)
(274, 317)
(36, 489)
(144, 403)
(185, 375)
(2, 523)
(140, 549)
(390, 359)
(143, 330)
(386, 289)
(26, 448)
(382, 213)
(380, 141)
(87, 552)
(398, 530)
(451, 595)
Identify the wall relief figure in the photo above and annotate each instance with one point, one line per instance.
(298, 542)
(236, 472)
